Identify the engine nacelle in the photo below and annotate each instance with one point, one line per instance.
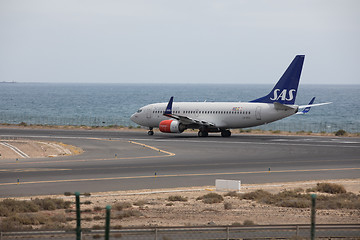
(171, 126)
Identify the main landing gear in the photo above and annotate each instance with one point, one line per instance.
(150, 132)
(203, 134)
(226, 133)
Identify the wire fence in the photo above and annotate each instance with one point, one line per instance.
(62, 120)
(316, 127)
(102, 121)
(345, 231)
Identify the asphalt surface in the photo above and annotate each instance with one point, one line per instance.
(114, 160)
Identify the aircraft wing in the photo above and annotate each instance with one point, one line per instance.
(184, 119)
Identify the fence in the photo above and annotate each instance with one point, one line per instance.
(208, 232)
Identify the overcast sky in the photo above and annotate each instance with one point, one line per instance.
(187, 41)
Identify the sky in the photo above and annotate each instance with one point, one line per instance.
(187, 41)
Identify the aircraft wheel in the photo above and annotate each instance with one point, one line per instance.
(203, 134)
(226, 133)
(151, 132)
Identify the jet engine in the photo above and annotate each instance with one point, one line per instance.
(171, 126)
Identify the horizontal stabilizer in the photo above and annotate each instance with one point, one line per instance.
(314, 105)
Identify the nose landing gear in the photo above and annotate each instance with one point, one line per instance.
(150, 132)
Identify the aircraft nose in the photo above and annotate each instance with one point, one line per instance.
(134, 118)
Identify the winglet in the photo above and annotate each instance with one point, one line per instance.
(307, 109)
(168, 110)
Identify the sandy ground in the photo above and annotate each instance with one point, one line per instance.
(156, 210)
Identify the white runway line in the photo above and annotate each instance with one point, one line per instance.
(59, 148)
(15, 149)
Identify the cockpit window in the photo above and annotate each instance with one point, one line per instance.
(139, 111)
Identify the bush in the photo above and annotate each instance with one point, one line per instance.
(96, 218)
(340, 132)
(122, 205)
(236, 224)
(258, 194)
(97, 209)
(248, 223)
(128, 213)
(140, 203)
(232, 194)
(298, 200)
(11, 206)
(330, 188)
(211, 198)
(227, 206)
(27, 219)
(177, 198)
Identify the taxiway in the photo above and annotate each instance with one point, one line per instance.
(124, 160)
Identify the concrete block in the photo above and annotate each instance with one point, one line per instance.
(227, 185)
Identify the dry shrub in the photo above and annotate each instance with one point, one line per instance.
(10, 206)
(331, 188)
(127, 213)
(177, 198)
(52, 203)
(27, 219)
(97, 209)
(257, 195)
(236, 224)
(8, 225)
(227, 206)
(298, 200)
(211, 198)
(232, 194)
(140, 203)
(338, 201)
(122, 205)
(248, 223)
(98, 218)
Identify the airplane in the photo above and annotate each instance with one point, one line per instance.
(209, 117)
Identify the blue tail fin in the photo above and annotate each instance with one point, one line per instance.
(285, 89)
(168, 109)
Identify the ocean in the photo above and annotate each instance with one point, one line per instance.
(113, 104)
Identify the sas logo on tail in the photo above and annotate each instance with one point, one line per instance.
(284, 95)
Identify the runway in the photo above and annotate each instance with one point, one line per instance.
(119, 160)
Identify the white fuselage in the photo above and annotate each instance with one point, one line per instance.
(222, 114)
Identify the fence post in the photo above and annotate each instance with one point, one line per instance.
(313, 212)
(297, 230)
(78, 218)
(107, 224)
